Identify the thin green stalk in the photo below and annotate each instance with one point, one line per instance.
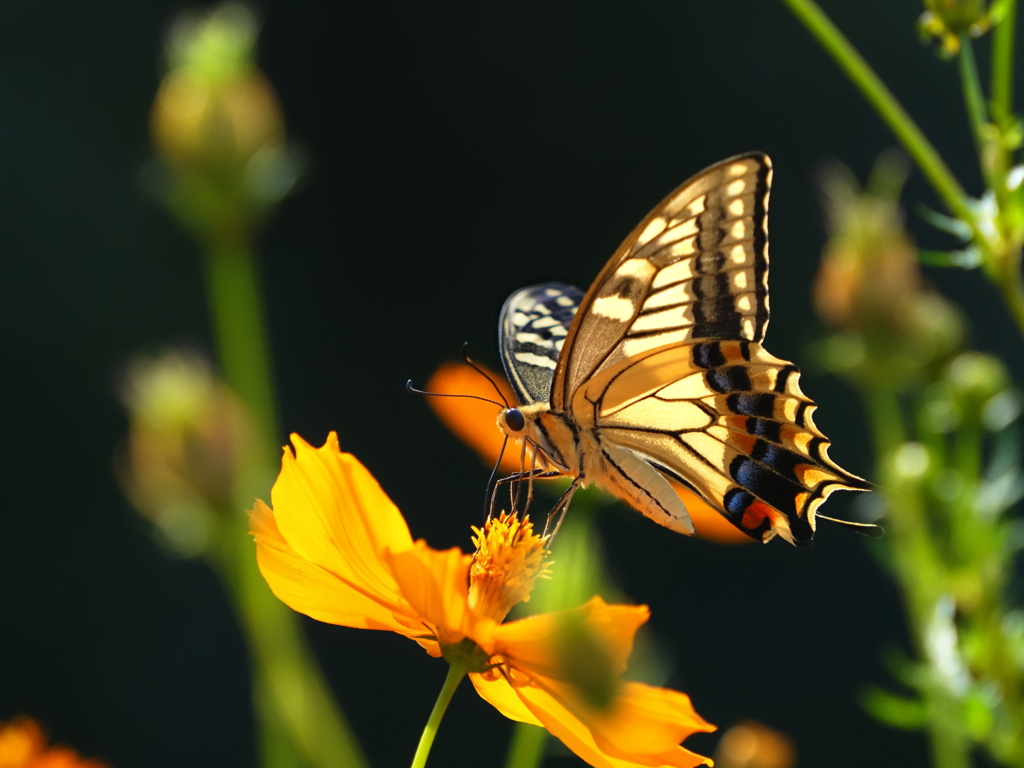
(881, 98)
(918, 570)
(1011, 284)
(299, 716)
(299, 720)
(1002, 63)
(455, 674)
(527, 747)
(974, 102)
(236, 310)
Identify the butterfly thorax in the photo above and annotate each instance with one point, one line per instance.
(556, 441)
(549, 436)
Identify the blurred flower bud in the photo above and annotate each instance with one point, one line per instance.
(983, 390)
(946, 20)
(869, 286)
(217, 125)
(188, 434)
(752, 745)
(869, 274)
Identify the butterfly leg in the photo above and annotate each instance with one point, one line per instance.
(560, 507)
(533, 474)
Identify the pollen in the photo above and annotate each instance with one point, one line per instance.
(509, 558)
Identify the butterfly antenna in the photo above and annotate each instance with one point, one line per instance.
(864, 529)
(482, 372)
(410, 388)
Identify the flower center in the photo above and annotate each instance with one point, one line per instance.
(509, 558)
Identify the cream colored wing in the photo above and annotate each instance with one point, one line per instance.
(695, 268)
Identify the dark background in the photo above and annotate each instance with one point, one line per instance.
(459, 151)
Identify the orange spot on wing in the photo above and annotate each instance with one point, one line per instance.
(757, 513)
(744, 442)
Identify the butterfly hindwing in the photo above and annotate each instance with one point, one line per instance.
(533, 326)
(729, 420)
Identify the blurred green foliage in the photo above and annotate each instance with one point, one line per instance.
(944, 419)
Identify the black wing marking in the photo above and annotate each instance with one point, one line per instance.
(534, 323)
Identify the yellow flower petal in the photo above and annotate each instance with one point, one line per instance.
(529, 641)
(645, 720)
(503, 697)
(539, 706)
(315, 591)
(23, 745)
(332, 512)
(436, 584)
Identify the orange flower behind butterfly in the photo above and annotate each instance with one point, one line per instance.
(336, 548)
(23, 745)
(473, 422)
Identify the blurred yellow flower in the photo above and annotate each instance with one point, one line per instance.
(753, 745)
(23, 745)
(336, 548)
(474, 422)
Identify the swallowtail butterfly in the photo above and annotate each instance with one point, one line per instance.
(658, 370)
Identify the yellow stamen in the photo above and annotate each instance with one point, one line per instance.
(509, 558)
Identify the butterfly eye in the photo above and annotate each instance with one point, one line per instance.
(514, 420)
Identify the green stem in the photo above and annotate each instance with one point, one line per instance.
(1002, 64)
(236, 309)
(527, 747)
(918, 569)
(1011, 283)
(455, 674)
(973, 99)
(299, 719)
(881, 98)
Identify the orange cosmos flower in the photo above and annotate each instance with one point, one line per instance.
(336, 548)
(23, 745)
(473, 421)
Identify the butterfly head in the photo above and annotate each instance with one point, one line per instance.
(542, 434)
(512, 422)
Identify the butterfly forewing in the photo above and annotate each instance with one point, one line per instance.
(695, 268)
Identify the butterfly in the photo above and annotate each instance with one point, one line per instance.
(658, 370)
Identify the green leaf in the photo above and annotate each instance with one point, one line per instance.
(965, 258)
(897, 711)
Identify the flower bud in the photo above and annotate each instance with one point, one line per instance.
(869, 286)
(216, 123)
(946, 20)
(868, 275)
(186, 441)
